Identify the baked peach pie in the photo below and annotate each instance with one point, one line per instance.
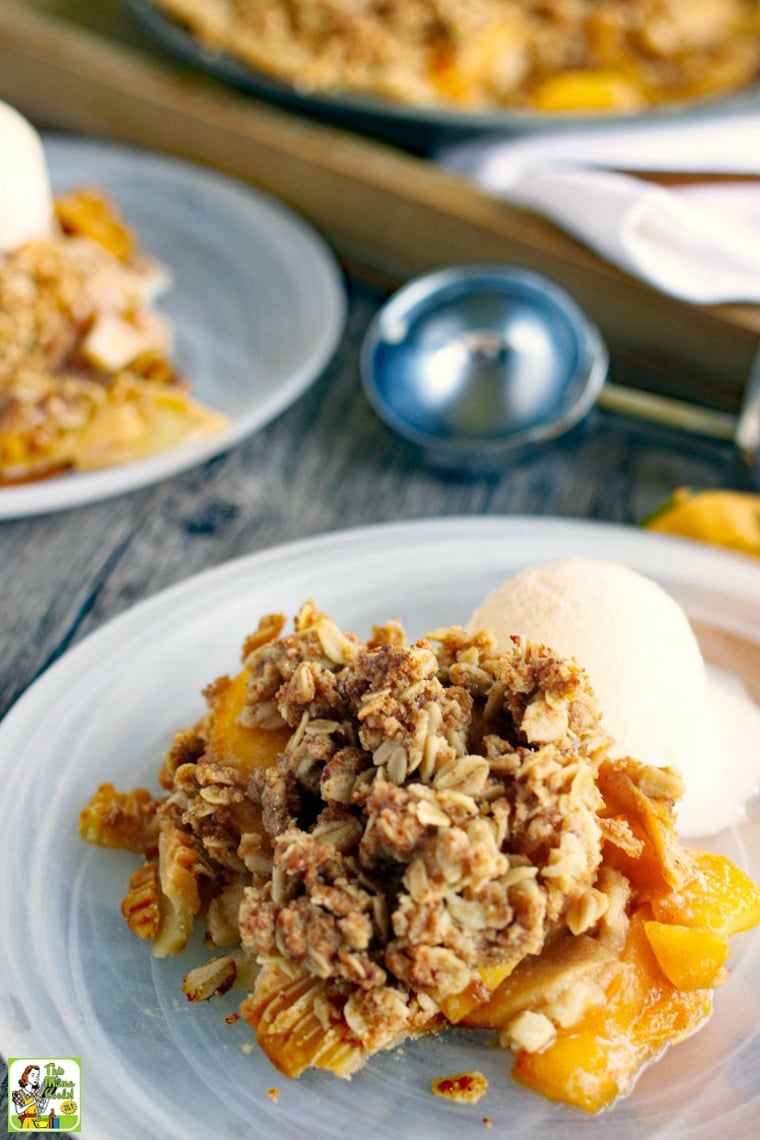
(383, 839)
(86, 378)
(541, 55)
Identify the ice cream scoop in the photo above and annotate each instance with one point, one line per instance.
(645, 665)
(26, 203)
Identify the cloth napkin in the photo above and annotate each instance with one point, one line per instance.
(699, 242)
(722, 518)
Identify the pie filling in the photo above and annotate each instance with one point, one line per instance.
(550, 56)
(384, 839)
(86, 378)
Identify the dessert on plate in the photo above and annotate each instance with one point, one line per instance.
(538, 55)
(86, 373)
(383, 840)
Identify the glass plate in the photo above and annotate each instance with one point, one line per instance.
(257, 302)
(416, 127)
(76, 982)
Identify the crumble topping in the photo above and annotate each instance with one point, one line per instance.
(428, 810)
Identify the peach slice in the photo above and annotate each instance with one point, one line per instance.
(456, 1007)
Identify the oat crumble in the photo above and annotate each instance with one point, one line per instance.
(463, 1088)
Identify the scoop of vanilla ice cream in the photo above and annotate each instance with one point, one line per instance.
(640, 653)
(26, 203)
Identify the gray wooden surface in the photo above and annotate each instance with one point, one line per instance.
(327, 463)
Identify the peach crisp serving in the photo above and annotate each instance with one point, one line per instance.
(384, 839)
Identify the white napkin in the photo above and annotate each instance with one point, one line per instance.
(698, 242)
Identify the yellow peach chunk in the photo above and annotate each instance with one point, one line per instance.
(690, 958)
(724, 518)
(720, 898)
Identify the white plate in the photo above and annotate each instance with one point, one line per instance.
(75, 982)
(257, 302)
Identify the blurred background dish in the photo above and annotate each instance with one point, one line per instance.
(111, 1003)
(417, 126)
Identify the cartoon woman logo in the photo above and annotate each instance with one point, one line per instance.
(31, 1102)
